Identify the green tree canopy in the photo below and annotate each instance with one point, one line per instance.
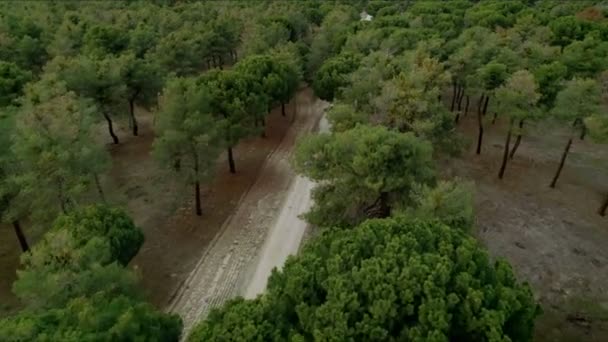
(103, 221)
(12, 81)
(388, 279)
(96, 318)
(189, 137)
(373, 167)
(333, 75)
(59, 159)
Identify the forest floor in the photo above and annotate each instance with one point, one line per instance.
(175, 238)
(554, 238)
(227, 265)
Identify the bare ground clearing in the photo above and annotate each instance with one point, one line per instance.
(554, 238)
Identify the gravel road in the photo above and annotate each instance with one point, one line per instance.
(254, 239)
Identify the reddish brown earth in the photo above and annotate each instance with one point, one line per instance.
(175, 238)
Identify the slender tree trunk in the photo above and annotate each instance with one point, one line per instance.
(197, 190)
(208, 64)
(518, 140)
(295, 108)
(494, 117)
(460, 97)
(385, 209)
(604, 207)
(505, 154)
(111, 128)
(63, 206)
(457, 118)
(132, 113)
(480, 102)
(197, 198)
(99, 188)
(282, 108)
(583, 132)
(485, 105)
(480, 125)
(236, 56)
(453, 96)
(466, 106)
(263, 127)
(231, 161)
(561, 163)
(20, 236)
(221, 62)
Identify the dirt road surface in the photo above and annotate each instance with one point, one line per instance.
(287, 232)
(225, 268)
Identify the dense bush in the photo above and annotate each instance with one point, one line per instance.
(388, 279)
(98, 318)
(113, 224)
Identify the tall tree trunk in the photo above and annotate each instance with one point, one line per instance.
(263, 135)
(197, 190)
(561, 163)
(295, 108)
(466, 106)
(480, 125)
(480, 102)
(518, 140)
(453, 96)
(282, 108)
(231, 161)
(99, 188)
(132, 112)
(505, 154)
(236, 56)
(604, 206)
(460, 97)
(385, 209)
(20, 236)
(111, 128)
(197, 198)
(221, 62)
(583, 132)
(494, 117)
(485, 105)
(62, 205)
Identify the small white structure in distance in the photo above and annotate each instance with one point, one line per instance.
(366, 17)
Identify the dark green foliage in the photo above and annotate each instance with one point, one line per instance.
(587, 57)
(106, 222)
(493, 75)
(98, 318)
(12, 81)
(568, 29)
(75, 290)
(58, 269)
(86, 249)
(550, 78)
(104, 40)
(389, 279)
(333, 75)
(373, 167)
